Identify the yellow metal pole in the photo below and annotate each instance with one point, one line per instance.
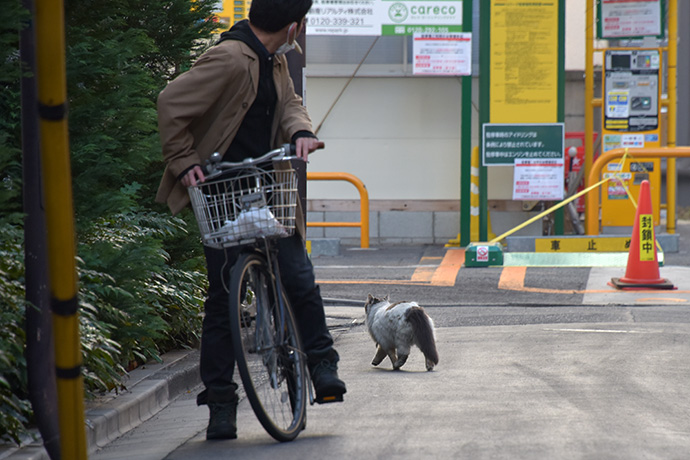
(589, 91)
(672, 59)
(57, 185)
(592, 204)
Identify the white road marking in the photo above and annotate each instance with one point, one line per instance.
(608, 331)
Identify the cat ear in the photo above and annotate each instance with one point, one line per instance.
(371, 300)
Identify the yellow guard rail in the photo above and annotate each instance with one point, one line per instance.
(592, 204)
(363, 224)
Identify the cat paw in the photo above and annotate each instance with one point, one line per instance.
(402, 359)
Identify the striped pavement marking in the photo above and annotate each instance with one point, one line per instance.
(426, 274)
(512, 278)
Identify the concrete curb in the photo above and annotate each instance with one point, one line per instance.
(149, 389)
(318, 247)
(148, 395)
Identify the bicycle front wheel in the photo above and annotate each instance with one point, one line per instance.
(267, 348)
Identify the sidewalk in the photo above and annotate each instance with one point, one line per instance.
(149, 389)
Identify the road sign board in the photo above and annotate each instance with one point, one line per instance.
(502, 143)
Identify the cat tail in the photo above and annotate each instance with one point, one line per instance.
(423, 330)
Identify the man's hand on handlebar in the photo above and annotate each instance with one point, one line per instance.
(193, 177)
(306, 145)
(302, 148)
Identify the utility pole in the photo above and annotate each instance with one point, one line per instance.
(57, 181)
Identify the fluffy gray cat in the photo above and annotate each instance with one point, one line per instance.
(395, 327)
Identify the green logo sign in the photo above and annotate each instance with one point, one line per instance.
(397, 12)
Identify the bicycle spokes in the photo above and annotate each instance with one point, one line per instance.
(268, 353)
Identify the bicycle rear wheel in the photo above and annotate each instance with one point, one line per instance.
(267, 349)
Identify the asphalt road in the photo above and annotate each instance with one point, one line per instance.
(535, 363)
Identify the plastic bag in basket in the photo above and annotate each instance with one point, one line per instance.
(255, 222)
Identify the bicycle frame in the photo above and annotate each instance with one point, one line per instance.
(270, 252)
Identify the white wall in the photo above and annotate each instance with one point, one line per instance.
(575, 13)
(400, 136)
(575, 23)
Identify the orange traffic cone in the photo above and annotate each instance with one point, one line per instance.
(642, 270)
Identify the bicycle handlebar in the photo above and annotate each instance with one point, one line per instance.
(214, 166)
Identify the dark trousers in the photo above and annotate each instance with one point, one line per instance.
(297, 274)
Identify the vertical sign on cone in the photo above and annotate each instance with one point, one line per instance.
(642, 270)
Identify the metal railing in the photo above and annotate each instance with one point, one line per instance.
(592, 207)
(363, 224)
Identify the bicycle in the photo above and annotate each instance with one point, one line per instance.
(251, 204)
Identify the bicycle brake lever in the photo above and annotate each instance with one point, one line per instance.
(212, 163)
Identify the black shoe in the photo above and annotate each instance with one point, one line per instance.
(222, 422)
(323, 369)
(222, 406)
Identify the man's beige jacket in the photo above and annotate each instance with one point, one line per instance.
(200, 112)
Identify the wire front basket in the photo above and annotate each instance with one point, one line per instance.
(244, 204)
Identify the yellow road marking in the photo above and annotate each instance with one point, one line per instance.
(661, 299)
(446, 273)
(442, 275)
(375, 281)
(513, 279)
(423, 274)
(426, 272)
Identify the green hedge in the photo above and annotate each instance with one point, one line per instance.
(141, 271)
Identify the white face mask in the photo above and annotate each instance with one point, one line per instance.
(287, 46)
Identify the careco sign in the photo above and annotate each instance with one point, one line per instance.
(384, 17)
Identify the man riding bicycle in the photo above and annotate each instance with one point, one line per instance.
(238, 99)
